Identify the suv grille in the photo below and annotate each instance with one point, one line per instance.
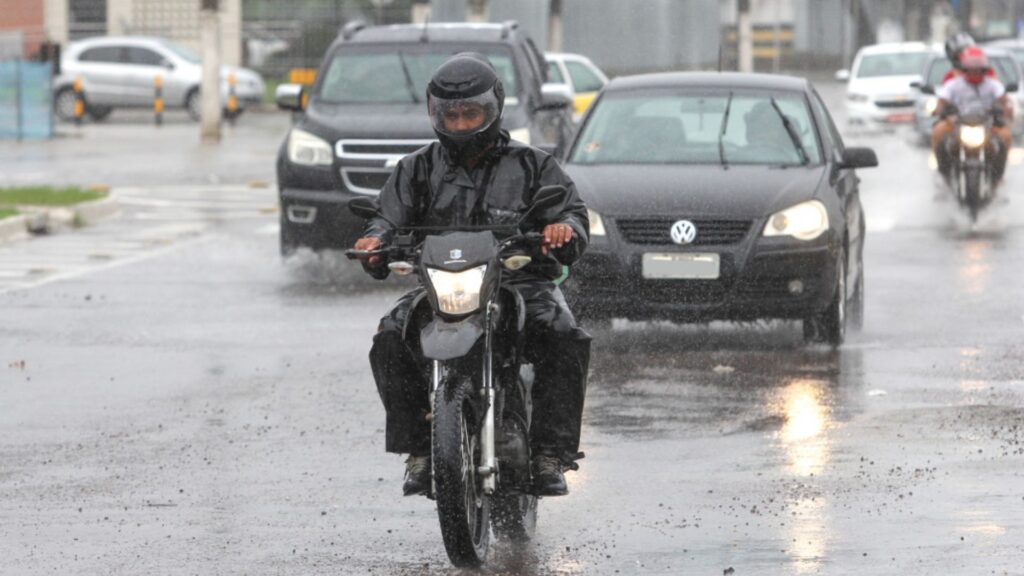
(656, 230)
(367, 164)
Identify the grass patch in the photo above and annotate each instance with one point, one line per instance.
(7, 213)
(47, 196)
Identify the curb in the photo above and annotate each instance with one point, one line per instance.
(48, 220)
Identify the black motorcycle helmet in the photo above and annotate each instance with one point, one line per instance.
(465, 100)
(955, 45)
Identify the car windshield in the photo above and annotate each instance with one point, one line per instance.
(1005, 67)
(693, 128)
(184, 53)
(891, 64)
(384, 74)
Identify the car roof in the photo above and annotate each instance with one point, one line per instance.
(118, 40)
(896, 47)
(435, 32)
(708, 80)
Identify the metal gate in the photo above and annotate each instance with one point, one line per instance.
(26, 109)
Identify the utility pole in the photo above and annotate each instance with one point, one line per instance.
(555, 26)
(744, 36)
(210, 108)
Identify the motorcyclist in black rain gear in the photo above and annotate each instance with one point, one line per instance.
(476, 175)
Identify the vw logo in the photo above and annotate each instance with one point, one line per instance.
(683, 232)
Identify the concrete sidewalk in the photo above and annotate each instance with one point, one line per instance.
(53, 219)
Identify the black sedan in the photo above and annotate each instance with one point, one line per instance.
(719, 196)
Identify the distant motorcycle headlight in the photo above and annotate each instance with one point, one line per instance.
(457, 292)
(930, 104)
(308, 150)
(596, 224)
(972, 136)
(804, 221)
(520, 135)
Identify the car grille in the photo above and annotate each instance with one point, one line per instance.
(772, 288)
(894, 103)
(656, 230)
(367, 164)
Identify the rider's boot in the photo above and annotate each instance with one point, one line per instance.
(548, 479)
(417, 475)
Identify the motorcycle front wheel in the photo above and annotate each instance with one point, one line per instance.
(463, 509)
(972, 188)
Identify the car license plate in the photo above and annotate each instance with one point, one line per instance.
(681, 266)
(900, 118)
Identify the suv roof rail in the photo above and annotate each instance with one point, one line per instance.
(507, 26)
(350, 29)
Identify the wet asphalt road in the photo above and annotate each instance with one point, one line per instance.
(199, 408)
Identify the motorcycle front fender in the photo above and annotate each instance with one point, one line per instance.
(442, 340)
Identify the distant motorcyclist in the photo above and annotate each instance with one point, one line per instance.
(476, 175)
(955, 47)
(974, 86)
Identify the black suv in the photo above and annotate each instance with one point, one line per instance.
(367, 109)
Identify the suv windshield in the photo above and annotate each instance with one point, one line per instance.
(391, 75)
(1005, 67)
(892, 64)
(693, 128)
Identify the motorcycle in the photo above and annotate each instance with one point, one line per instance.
(973, 149)
(480, 384)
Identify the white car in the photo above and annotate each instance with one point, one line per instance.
(579, 74)
(120, 72)
(879, 91)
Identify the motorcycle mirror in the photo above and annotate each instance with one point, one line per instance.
(1012, 87)
(363, 207)
(545, 201)
(401, 268)
(516, 262)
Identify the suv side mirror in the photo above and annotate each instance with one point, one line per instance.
(843, 75)
(555, 96)
(859, 158)
(289, 97)
(1012, 87)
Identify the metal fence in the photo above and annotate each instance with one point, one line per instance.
(25, 100)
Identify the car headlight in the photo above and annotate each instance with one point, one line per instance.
(596, 224)
(804, 221)
(930, 105)
(520, 135)
(854, 97)
(308, 150)
(972, 136)
(457, 292)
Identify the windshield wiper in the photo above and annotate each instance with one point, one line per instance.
(721, 132)
(793, 136)
(408, 79)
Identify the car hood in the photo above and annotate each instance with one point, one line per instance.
(744, 192)
(884, 86)
(368, 121)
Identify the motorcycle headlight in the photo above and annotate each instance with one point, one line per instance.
(520, 135)
(457, 292)
(972, 136)
(930, 104)
(308, 150)
(596, 224)
(804, 221)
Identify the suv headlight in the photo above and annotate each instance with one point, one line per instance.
(804, 221)
(457, 292)
(520, 135)
(596, 224)
(308, 150)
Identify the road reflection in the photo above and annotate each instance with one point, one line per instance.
(975, 271)
(807, 417)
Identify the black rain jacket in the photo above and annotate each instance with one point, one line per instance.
(428, 189)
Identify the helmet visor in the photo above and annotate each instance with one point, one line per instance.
(462, 117)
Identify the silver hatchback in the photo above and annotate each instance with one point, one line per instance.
(121, 71)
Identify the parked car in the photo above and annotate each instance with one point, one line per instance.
(718, 196)
(879, 91)
(580, 74)
(1007, 70)
(1015, 46)
(367, 110)
(120, 71)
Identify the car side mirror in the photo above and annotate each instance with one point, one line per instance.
(289, 97)
(364, 207)
(842, 75)
(555, 96)
(167, 64)
(546, 205)
(859, 158)
(1012, 87)
(924, 88)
